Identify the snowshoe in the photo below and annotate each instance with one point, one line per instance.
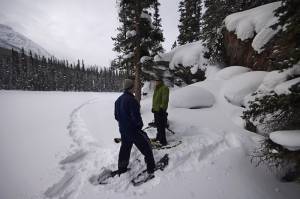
(105, 175)
(144, 177)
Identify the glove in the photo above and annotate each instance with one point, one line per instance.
(152, 110)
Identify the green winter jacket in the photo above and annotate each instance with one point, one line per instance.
(160, 98)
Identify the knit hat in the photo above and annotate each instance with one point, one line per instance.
(128, 84)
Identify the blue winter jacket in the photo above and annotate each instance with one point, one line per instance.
(127, 113)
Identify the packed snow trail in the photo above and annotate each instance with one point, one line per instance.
(88, 157)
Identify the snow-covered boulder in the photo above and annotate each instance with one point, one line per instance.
(188, 55)
(289, 139)
(237, 88)
(284, 88)
(229, 72)
(255, 23)
(192, 97)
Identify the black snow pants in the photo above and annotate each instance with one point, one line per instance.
(161, 120)
(142, 142)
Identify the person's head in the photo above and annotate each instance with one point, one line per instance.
(158, 80)
(128, 85)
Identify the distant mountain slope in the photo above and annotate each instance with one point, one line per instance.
(12, 39)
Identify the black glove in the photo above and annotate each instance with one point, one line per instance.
(152, 110)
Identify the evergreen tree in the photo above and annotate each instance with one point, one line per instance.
(157, 35)
(135, 37)
(189, 22)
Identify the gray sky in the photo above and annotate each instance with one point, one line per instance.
(77, 28)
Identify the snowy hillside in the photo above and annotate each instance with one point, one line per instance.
(68, 138)
(11, 39)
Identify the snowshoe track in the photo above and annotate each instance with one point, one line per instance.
(88, 158)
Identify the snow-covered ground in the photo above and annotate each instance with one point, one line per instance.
(53, 142)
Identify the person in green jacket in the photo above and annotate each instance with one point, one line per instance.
(159, 108)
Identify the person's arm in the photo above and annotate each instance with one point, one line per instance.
(135, 114)
(165, 99)
(116, 111)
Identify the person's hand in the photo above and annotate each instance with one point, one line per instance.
(152, 110)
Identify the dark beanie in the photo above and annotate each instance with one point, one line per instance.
(128, 84)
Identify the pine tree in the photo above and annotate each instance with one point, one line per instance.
(189, 22)
(157, 34)
(134, 39)
(211, 28)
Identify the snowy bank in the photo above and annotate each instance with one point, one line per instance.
(229, 72)
(192, 97)
(288, 139)
(255, 23)
(238, 87)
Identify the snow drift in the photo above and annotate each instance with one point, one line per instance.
(229, 72)
(241, 85)
(192, 97)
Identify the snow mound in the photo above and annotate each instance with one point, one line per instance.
(284, 88)
(288, 139)
(255, 23)
(192, 97)
(188, 55)
(237, 88)
(272, 79)
(229, 72)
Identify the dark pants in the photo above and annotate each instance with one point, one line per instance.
(160, 119)
(142, 142)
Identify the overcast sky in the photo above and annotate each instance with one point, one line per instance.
(77, 28)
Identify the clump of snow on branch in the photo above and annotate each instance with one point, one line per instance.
(130, 33)
(255, 23)
(284, 88)
(276, 81)
(145, 59)
(146, 16)
(129, 55)
(289, 139)
(188, 55)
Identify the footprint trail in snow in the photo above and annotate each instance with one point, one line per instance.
(87, 160)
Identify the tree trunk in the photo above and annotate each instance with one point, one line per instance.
(137, 52)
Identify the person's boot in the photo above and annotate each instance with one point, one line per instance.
(123, 170)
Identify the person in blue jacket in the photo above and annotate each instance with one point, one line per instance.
(127, 113)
